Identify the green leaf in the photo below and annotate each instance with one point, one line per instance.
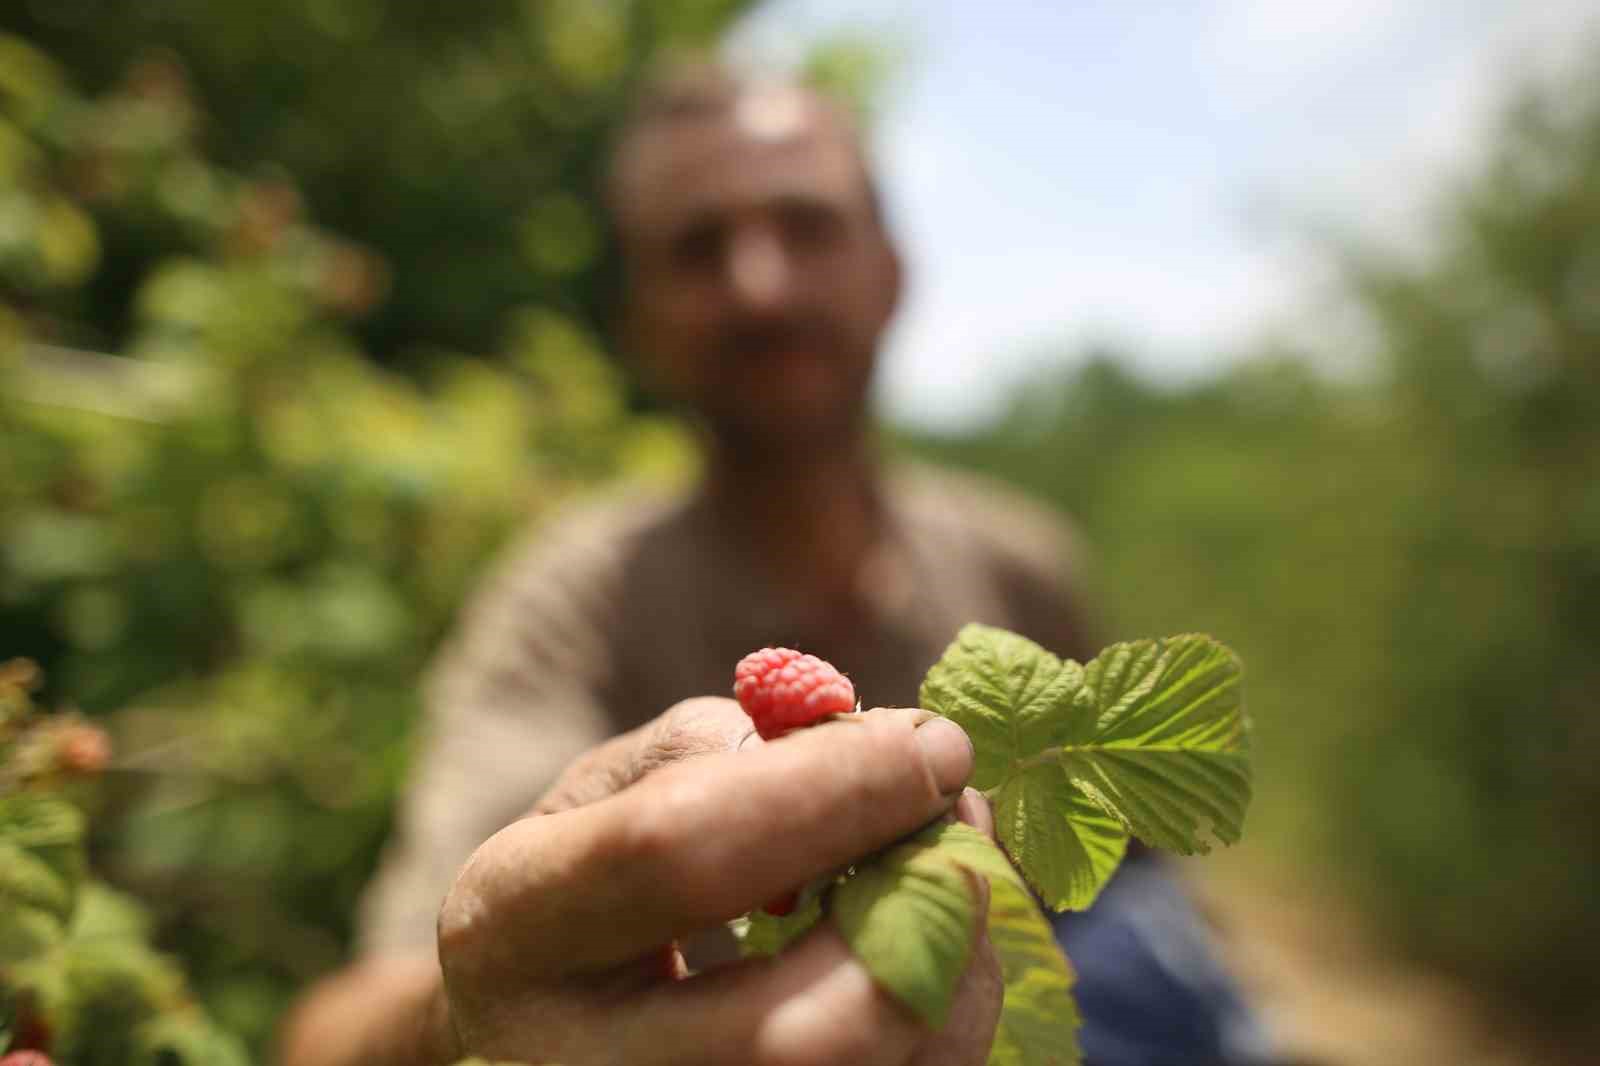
(1149, 739)
(971, 849)
(1167, 753)
(1007, 692)
(27, 880)
(1067, 846)
(1039, 1021)
(41, 864)
(761, 934)
(911, 917)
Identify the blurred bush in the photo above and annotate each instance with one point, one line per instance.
(456, 139)
(238, 538)
(78, 979)
(1408, 564)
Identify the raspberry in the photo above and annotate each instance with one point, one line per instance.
(781, 689)
(783, 906)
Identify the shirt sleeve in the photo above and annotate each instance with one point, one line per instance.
(516, 694)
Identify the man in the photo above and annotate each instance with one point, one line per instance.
(758, 279)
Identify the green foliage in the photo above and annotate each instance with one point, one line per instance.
(78, 977)
(239, 540)
(461, 142)
(1148, 738)
(1038, 1020)
(1411, 561)
(911, 915)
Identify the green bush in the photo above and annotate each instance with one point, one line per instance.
(1409, 562)
(239, 539)
(78, 978)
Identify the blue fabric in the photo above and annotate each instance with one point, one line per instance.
(1150, 989)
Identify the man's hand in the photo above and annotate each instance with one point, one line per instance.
(553, 938)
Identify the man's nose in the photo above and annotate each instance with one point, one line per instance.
(760, 274)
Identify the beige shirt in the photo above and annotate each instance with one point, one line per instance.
(607, 617)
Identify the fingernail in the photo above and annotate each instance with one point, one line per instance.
(973, 809)
(948, 752)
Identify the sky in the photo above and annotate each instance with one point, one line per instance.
(1161, 178)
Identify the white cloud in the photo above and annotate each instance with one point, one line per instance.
(1047, 201)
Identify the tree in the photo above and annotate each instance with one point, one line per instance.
(1409, 563)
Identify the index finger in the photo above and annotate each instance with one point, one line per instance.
(696, 844)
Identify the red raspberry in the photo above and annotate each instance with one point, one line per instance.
(783, 906)
(781, 689)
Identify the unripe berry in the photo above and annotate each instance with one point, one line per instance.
(83, 749)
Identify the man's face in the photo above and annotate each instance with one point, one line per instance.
(759, 279)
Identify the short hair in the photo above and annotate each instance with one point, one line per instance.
(690, 88)
(697, 88)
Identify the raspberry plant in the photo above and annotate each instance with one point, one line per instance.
(1147, 740)
(79, 983)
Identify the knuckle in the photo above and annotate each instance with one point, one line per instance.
(692, 727)
(656, 839)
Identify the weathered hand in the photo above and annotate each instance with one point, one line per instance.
(552, 939)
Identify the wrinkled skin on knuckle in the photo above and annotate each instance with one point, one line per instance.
(705, 725)
(702, 726)
(494, 912)
(512, 909)
(659, 845)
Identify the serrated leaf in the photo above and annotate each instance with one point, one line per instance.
(48, 828)
(1148, 739)
(41, 863)
(1166, 755)
(971, 849)
(1008, 693)
(911, 917)
(1065, 844)
(1039, 1021)
(27, 880)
